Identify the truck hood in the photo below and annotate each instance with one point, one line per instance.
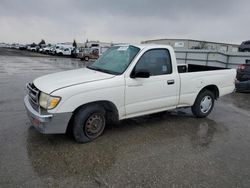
(52, 82)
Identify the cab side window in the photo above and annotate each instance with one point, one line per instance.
(156, 61)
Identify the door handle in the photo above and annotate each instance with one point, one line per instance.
(170, 82)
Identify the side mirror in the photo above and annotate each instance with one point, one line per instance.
(140, 74)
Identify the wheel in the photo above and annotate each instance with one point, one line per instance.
(89, 123)
(86, 58)
(204, 104)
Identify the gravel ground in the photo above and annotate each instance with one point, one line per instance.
(169, 149)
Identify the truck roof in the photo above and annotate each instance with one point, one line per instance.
(142, 46)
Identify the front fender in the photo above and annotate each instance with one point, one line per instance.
(75, 96)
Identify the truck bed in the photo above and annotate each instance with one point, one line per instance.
(197, 68)
(195, 77)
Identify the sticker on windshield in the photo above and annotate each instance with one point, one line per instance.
(122, 48)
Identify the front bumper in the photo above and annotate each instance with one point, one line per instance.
(47, 123)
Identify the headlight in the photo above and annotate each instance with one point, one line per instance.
(48, 102)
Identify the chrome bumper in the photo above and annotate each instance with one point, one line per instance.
(44, 123)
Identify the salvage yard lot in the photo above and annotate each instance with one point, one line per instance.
(170, 149)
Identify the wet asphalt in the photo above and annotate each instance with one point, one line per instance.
(169, 149)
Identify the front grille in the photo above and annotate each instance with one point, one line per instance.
(33, 93)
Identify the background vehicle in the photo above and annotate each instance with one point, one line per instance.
(63, 51)
(245, 46)
(40, 50)
(126, 81)
(243, 71)
(34, 48)
(243, 77)
(76, 51)
(91, 53)
(88, 53)
(243, 86)
(23, 47)
(46, 50)
(52, 50)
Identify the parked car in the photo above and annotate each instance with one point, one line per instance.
(245, 46)
(76, 51)
(59, 47)
(91, 53)
(126, 81)
(46, 50)
(41, 49)
(34, 48)
(63, 51)
(243, 77)
(243, 71)
(88, 53)
(52, 50)
(23, 47)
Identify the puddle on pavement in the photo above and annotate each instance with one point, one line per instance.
(59, 156)
(10, 66)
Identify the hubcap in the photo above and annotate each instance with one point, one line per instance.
(206, 104)
(94, 125)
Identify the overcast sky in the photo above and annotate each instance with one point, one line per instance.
(27, 21)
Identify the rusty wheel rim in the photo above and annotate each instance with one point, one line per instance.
(94, 125)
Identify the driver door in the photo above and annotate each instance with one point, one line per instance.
(156, 93)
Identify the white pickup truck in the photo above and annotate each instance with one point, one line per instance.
(125, 82)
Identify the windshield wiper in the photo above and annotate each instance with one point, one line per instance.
(103, 70)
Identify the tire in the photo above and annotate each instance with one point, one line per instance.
(204, 104)
(89, 123)
(86, 58)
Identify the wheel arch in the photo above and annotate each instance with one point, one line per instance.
(196, 109)
(213, 88)
(107, 105)
(112, 114)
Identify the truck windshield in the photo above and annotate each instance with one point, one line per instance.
(115, 60)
